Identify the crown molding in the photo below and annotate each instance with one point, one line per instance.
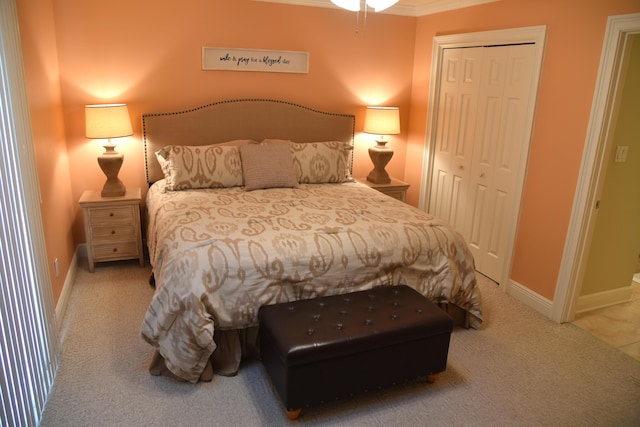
(430, 7)
(427, 7)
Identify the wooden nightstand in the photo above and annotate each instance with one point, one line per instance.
(396, 189)
(112, 226)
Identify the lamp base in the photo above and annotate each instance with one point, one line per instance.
(110, 162)
(380, 156)
(113, 189)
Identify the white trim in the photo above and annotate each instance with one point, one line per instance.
(535, 35)
(530, 298)
(603, 299)
(437, 6)
(582, 217)
(63, 301)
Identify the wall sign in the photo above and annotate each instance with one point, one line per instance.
(274, 61)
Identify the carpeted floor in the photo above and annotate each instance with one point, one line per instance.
(518, 369)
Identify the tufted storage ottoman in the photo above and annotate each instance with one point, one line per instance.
(326, 348)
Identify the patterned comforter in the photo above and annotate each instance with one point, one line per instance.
(220, 254)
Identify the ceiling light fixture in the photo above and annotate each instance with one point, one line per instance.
(354, 5)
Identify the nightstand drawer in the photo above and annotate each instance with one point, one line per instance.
(101, 216)
(115, 250)
(396, 194)
(115, 233)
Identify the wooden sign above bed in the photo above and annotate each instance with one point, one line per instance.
(272, 61)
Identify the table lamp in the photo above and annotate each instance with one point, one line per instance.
(108, 121)
(381, 121)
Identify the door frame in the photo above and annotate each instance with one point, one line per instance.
(592, 168)
(536, 35)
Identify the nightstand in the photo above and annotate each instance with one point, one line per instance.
(396, 189)
(112, 226)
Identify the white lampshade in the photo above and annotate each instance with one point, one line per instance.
(105, 121)
(382, 120)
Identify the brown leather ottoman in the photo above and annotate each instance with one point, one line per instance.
(328, 348)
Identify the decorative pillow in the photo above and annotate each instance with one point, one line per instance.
(322, 162)
(267, 166)
(209, 166)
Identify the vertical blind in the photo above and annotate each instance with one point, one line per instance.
(29, 343)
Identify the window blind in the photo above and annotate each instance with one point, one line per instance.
(29, 343)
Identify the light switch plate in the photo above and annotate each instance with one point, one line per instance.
(621, 153)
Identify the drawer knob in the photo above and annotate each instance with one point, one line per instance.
(113, 231)
(110, 213)
(115, 249)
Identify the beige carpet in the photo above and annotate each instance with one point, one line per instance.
(517, 369)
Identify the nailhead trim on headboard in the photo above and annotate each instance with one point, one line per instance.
(147, 116)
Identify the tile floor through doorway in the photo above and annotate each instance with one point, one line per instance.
(617, 325)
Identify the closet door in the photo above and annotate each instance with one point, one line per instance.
(457, 106)
(480, 140)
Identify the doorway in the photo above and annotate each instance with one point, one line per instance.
(592, 171)
(609, 306)
(446, 197)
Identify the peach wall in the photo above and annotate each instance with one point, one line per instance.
(575, 32)
(43, 87)
(149, 55)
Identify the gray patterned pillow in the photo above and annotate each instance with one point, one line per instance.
(209, 166)
(267, 165)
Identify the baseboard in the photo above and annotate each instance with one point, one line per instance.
(61, 306)
(530, 298)
(603, 299)
(82, 251)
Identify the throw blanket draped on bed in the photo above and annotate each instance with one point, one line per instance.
(220, 254)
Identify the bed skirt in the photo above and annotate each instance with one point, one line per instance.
(239, 344)
(233, 346)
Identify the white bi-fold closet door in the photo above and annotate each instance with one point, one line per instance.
(483, 111)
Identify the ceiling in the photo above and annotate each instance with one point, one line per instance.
(403, 7)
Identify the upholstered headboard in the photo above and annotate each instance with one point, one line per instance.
(255, 119)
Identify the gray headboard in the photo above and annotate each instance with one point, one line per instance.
(255, 119)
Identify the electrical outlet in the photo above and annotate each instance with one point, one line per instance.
(56, 267)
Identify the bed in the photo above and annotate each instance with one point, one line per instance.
(251, 202)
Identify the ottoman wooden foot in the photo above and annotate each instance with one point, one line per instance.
(294, 414)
